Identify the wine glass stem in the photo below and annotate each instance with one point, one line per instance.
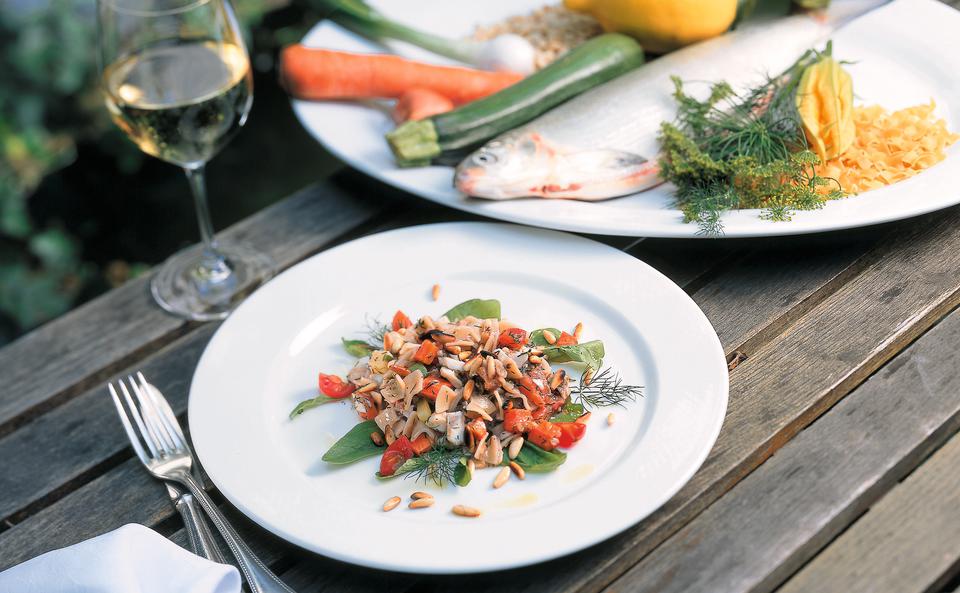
(214, 268)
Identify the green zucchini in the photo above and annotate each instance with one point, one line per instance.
(603, 58)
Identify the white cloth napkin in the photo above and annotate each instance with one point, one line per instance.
(131, 559)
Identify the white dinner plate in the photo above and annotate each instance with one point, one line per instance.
(265, 357)
(904, 54)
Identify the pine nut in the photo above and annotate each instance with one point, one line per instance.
(577, 331)
(557, 379)
(491, 367)
(588, 376)
(464, 355)
(388, 341)
(468, 390)
(377, 438)
(611, 419)
(368, 387)
(549, 337)
(518, 470)
(514, 449)
(502, 477)
(585, 418)
(422, 503)
(465, 511)
(391, 504)
(435, 293)
(534, 359)
(418, 495)
(471, 467)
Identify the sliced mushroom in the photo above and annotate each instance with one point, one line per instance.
(438, 421)
(455, 428)
(393, 389)
(386, 418)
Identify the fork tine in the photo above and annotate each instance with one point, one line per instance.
(151, 417)
(146, 430)
(166, 414)
(131, 434)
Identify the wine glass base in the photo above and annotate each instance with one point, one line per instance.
(178, 288)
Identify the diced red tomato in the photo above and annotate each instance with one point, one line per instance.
(334, 386)
(545, 435)
(400, 370)
(478, 429)
(513, 338)
(517, 420)
(541, 413)
(570, 432)
(432, 385)
(427, 352)
(530, 389)
(398, 452)
(565, 339)
(400, 320)
(421, 444)
(366, 408)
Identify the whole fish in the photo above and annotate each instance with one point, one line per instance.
(603, 143)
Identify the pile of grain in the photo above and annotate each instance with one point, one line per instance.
(552, 30)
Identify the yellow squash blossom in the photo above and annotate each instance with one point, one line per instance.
(825, 104)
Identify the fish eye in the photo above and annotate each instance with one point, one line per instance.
(487, 158)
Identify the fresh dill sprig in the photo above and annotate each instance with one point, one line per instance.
(375, 330)
(745, 150)
(605, 389)
(436, 465)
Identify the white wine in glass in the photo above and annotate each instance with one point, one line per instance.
(177, 81)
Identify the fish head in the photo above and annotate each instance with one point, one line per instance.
(506, 167)
(524, 164)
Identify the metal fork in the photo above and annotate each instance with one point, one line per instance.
(171, 460)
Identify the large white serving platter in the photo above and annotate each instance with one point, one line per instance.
(266, 356)
(904, 54)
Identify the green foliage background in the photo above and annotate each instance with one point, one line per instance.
(50, 103)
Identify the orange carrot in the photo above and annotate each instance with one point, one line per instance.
(416, 104)
(310, 73)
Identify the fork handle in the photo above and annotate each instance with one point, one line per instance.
(259, 578)
(198, 530)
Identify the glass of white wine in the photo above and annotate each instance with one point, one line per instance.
(177, 81)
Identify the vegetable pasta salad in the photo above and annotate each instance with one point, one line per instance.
(441, 398)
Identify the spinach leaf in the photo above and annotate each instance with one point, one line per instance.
(418, 367)
(537, 339)
(355, 445)
(461, 475)
(357, 348)
(479, 308)
(589, 353)
(568, 413)
(309, 404)
(535, 460)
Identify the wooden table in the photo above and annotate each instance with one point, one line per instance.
(837, 469)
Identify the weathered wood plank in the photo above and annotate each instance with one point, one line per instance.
(67, 355)
(909, 285)
(66, 447)
(784, 512)
(908, 542)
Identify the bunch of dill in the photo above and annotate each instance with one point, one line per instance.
(735, 151)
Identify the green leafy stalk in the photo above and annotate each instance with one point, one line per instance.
(309, 404)
(368, 22)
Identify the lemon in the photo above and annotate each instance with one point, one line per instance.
(661, 25)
